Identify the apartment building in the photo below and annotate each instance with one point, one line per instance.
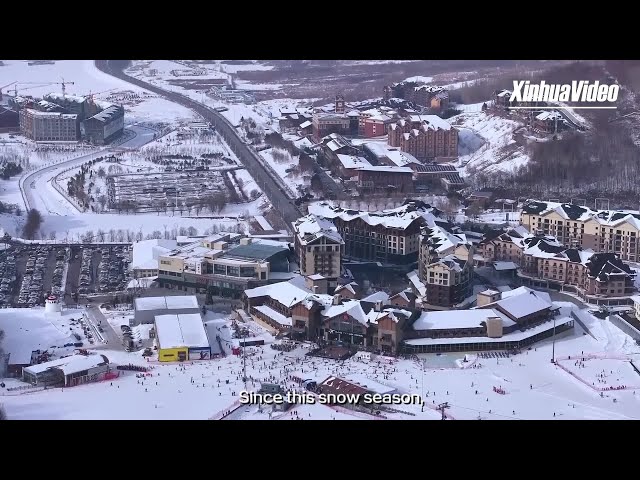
(390, 237)
(319, 247)
(604, 231)
(327, 123)
(385, 179)
(426, 137)
(49, 126)
(445, 266)
(224, 264)
(592, 274)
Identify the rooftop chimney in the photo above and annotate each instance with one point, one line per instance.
(337, 299)
(378, 306)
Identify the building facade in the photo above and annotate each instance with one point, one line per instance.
(426, 137)
(385, 179)
(319, 247)
(49, 127)
(105, 126)
(389, 236)
(604, 231)
(224, 265)
(327, 123)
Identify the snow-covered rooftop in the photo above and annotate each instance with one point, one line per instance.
(274, 315)
(431, 122)
(377, 297)
(146, 253)
(549, 115)
(500, 266)
(520, 306)
(350, 307)
(395, 155)
(569, 211)
(457, 319)
(352, 161)
(442, 241)
(385, 168)
(70, 364)
(183, 330)
(414, 278)
(507, 293)
(170, 303)
(289, 293)
(400, 217)
(514, 336)
(311, 227)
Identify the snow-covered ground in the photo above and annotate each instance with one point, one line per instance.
(533, 387)
(265, 113)
(73, 225)
(29, 329)
(292, 179)
(486, 142)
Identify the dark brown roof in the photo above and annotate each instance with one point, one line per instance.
(337, 385)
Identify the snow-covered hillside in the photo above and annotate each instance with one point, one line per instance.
(487, 142)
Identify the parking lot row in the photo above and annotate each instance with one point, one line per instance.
(30, 273)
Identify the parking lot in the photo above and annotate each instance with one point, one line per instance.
(98, 269)
(30, 273)
(146, 192)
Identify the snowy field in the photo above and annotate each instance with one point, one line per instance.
(265, 113)
(293, 178)
(533, 388)
(486, 142)
(71, 227)
(26, 330)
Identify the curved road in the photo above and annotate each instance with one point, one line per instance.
(35, 185)
(281, 203)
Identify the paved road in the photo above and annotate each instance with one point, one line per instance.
(249, 158)
(109, 334)
(33, 186)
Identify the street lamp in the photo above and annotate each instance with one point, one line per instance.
(424, 364)
(553, 344)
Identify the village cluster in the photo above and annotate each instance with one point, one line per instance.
(325, 284)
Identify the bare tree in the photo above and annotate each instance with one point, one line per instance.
(157, 234)
(102, 201)
(52, 235)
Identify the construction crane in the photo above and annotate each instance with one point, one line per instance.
(64, 84)
(7, 85)
(89, 97)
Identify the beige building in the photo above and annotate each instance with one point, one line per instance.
(599, 274)
(224, 264)
(575, 226)
(445, 266)
(318, 247)
(49, 126)
(636, 306)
